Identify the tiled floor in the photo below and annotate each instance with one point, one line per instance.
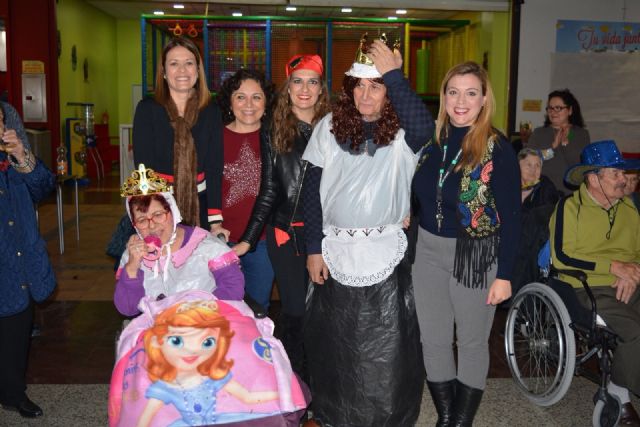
(70, 362)
(502, 406)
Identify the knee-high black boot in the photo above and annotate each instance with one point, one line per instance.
(443, 395)
(292, 340)
(466, 404)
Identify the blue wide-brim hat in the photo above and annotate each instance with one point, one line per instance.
(597, 155)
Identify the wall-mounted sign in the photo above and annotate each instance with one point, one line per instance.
(32, 67)
(596, 36)
(533, 105)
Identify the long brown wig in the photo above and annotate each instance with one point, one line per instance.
(475, 142)
(162, 93)
(285, 122)
(347, 121)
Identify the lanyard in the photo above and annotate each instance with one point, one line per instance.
(611, 218)
(442, 176)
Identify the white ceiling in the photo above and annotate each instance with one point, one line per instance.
(417, 9)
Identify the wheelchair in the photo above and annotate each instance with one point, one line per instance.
(550, 337)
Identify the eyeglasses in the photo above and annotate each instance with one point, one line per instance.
(157, 218)
(556, 108)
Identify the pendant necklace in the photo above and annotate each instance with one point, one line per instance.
(198, 401)
(441, 178)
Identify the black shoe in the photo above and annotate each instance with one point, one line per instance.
(443, 396)
(628, 416)
(26, 409)
(467, 403)
(35, 331)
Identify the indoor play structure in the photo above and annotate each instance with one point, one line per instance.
(429, 47)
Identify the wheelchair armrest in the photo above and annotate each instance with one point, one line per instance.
(576, 274)
(259, 312)
(582, 277)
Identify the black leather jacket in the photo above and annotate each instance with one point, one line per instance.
(287, 171)
(279, 192)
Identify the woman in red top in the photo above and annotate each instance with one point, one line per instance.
(244, 99)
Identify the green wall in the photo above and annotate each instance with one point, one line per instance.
(112, 48)
(129, 67)
(494, 35)
(94, 34)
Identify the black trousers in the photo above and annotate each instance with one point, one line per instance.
(15, 336)
(624, 319)
(291, 274)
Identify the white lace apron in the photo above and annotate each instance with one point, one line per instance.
(363, 256)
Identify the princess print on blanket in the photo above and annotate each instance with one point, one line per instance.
(192, 360)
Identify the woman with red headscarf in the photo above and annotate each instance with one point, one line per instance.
(302, 100)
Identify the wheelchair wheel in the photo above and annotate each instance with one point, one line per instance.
(540, 345)
(606, 412)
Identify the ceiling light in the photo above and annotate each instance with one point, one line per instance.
(236, 14)
(346, 10)
(181, 6)
(392, 18)
(401, 12)
(158, 12)
(291, 8)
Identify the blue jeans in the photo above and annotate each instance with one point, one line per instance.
(258, 273)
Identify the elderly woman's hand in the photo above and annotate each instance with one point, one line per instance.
(12, 145)
(318, 270)
(383, 58)
(137, 249)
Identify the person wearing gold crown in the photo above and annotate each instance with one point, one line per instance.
(165, 257)
(362, 335)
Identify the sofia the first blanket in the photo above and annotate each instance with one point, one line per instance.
(193, 360)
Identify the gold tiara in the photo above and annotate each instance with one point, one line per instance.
(203, 304)
(361, 56)
(144, 181)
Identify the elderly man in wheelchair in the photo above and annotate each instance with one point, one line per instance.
(590, 297)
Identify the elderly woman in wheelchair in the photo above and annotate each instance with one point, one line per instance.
(553, 329)
(196, 354)
(164, 256)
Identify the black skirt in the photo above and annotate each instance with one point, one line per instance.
(364, 354)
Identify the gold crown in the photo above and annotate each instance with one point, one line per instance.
(361, 56)
(144, 181)
(203, 304)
